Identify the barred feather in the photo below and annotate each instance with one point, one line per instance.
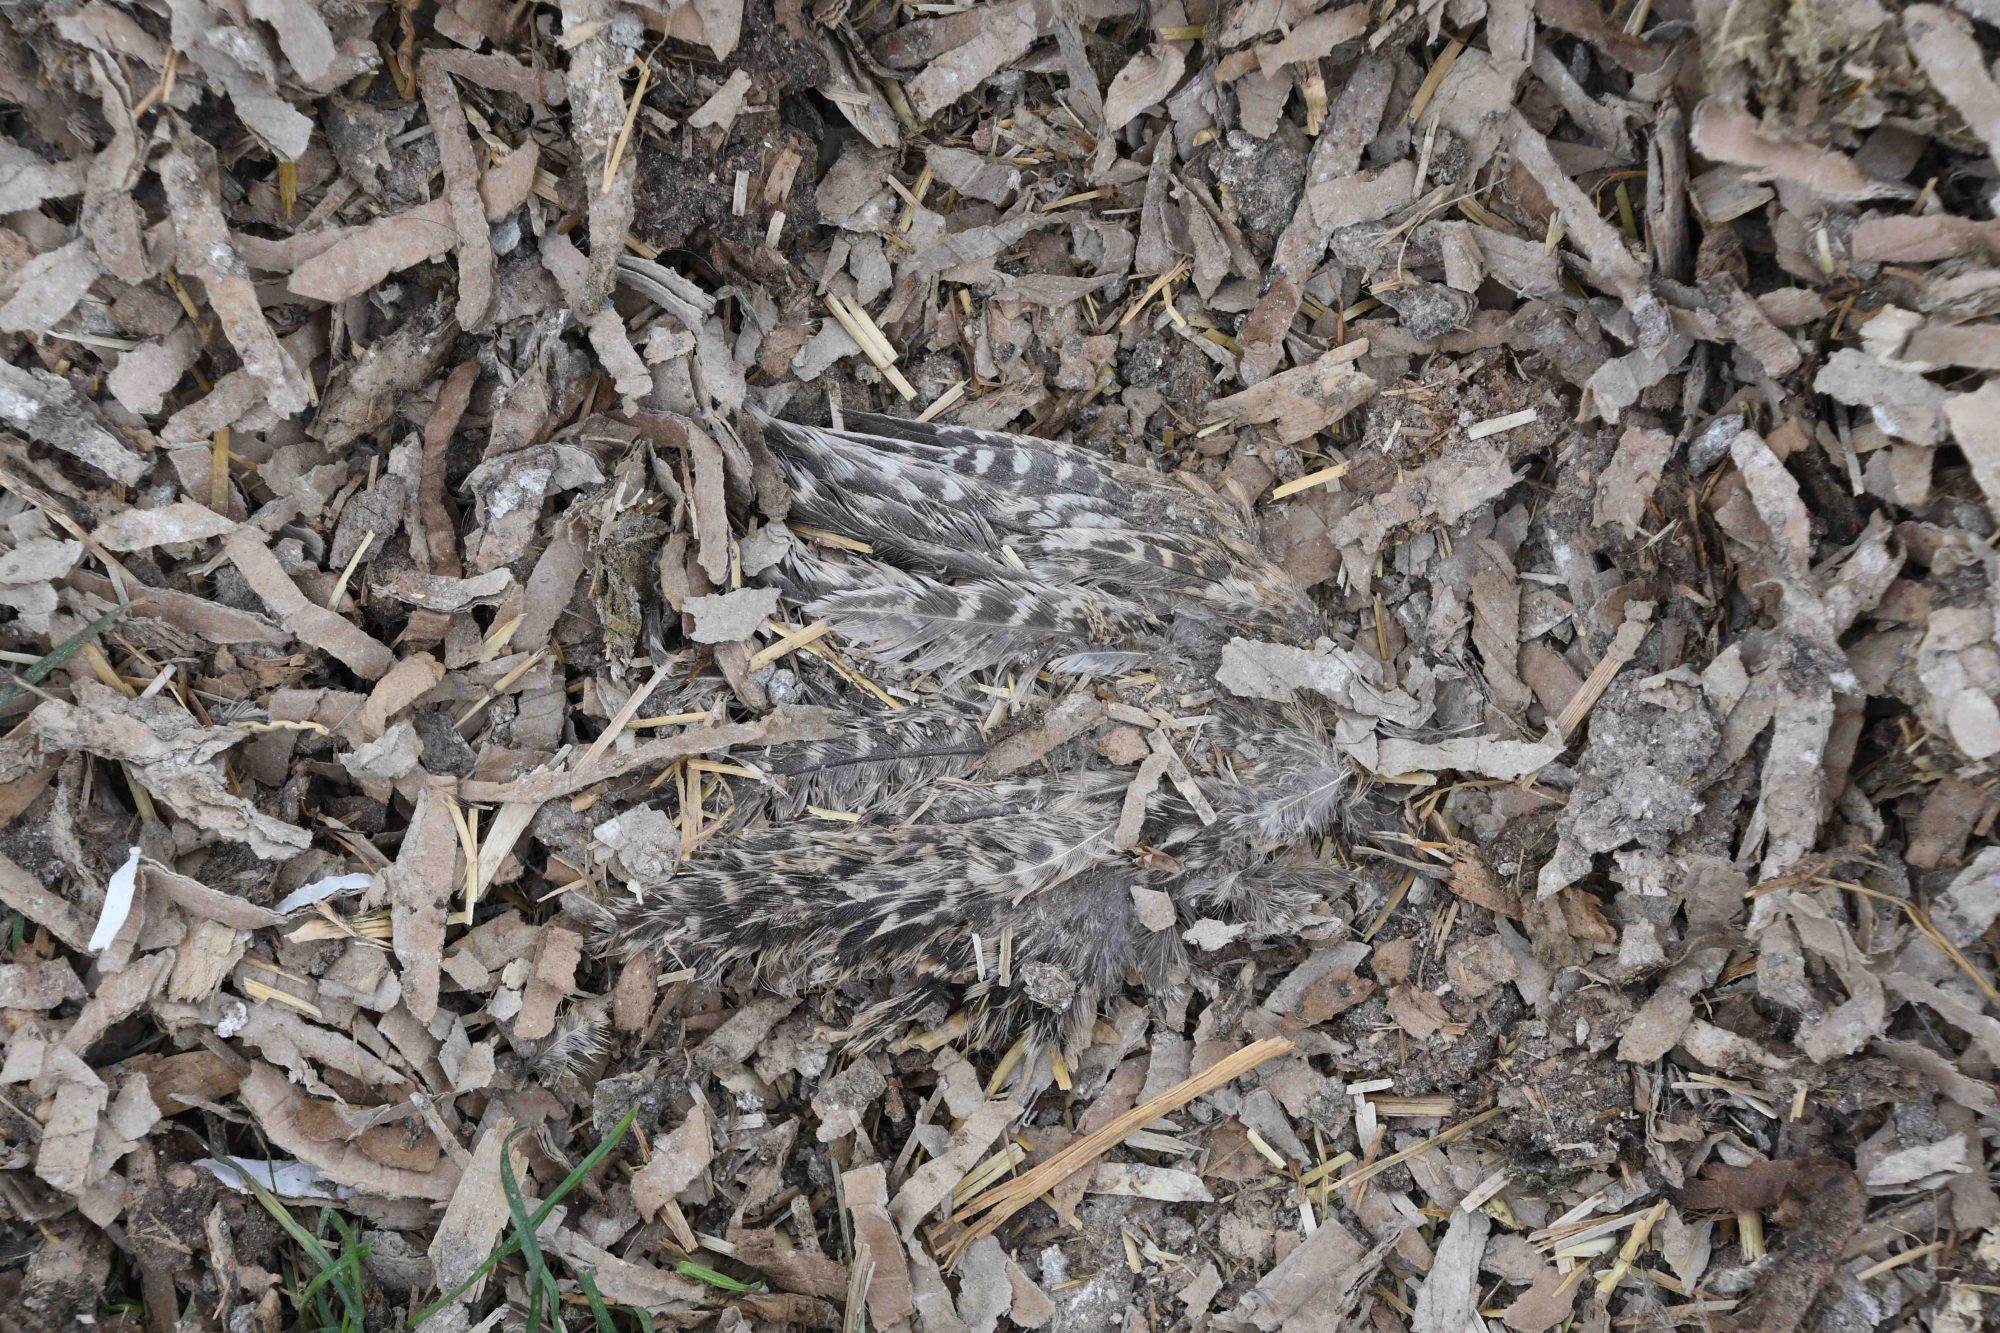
(951, 502)
(877, 905)
(970, 496)
(578, 1038)
(936, 533)
(989, 550)
(956, 629)
(1059, 478)
(1116, 558)
(878, 757)
(1100, 662)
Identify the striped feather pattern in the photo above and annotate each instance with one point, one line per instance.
(995, 552)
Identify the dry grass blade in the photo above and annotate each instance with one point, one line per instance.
(1369, 1170)
(1310, 480)
(994, 1207)
(1918, 918)
(854, 1319)
(1621, 651)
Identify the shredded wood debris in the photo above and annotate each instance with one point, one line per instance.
(1230, 664)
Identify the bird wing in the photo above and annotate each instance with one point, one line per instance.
(986, 549)
(960, 551)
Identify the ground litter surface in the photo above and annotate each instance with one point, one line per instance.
(401, 594)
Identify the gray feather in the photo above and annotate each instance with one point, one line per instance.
(879, 757)
(954, 629)
(989, 551)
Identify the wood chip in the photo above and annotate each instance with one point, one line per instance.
(316, 625)
(189, 176)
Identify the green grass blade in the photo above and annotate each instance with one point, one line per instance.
(689, 1268)
(541, 1214)
(344, 1273)
(524, 1232)
(598, 1309)
(59, 654)
(331, 1271)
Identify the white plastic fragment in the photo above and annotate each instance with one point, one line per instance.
(320, 890)
(117, 903)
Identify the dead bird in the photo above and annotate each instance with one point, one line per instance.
(964, 553)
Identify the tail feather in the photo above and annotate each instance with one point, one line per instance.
(956, 629)
(981, 506)
(1031, 466)
(877, 758)
(874, 896)
(1016, 481)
